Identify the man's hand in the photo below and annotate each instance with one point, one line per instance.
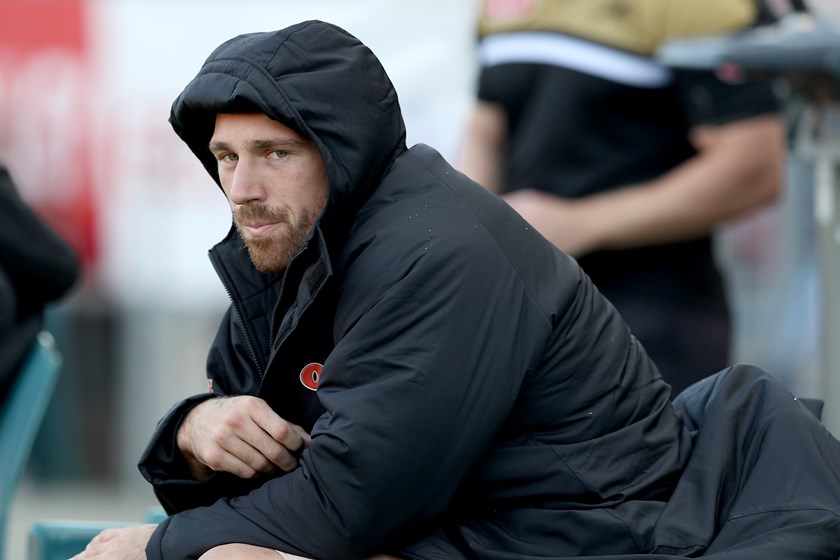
(127, 543)
(240, 435)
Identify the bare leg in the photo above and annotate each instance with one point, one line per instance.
(287, 556)
(250, 552)
(245, 552)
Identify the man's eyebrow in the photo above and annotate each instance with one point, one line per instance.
(277, 143)
(218, 146)
(267, 144)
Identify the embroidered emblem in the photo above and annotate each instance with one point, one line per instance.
(310, 375)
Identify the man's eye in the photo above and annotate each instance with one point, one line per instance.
(228, 157)
(279, 154)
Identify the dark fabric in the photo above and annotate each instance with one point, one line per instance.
(763, 481)
(573, 134)
(36, 267)
(469, 366)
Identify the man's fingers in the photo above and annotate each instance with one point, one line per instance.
(241, 435)
(262, 454)
(277, 440)
(307, 439)
(280, 430)
(128, 543)
(253, 453)
(277, 454)
(238, 457)
(261, 451)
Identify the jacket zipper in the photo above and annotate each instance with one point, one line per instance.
(272, 324)
(278, 306)
(239, 320)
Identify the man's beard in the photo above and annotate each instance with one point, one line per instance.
(273, 253)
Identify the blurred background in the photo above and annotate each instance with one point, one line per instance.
(85, 91)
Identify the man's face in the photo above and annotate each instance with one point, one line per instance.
(276, 184)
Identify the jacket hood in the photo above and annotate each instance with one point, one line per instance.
(314, 78)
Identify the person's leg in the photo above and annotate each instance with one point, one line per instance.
(246, 552)
(287, 556)
(250, 552)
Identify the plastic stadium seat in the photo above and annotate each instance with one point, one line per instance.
(20, 419)
(62, 539)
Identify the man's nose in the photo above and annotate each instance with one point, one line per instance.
(247, 185)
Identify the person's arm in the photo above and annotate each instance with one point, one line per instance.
(482, 154)
(738, 168)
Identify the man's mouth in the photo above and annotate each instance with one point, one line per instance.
(256, 222)
(258, 229)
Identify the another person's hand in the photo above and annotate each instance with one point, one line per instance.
(240, 435)
(127, 543)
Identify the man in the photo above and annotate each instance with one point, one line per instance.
(407, 367)
(623, 163)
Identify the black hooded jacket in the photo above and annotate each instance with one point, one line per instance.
(469, 366)
(479, 398)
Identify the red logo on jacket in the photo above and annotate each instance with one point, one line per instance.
(310, 375)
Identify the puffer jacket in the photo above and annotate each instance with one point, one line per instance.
(478, 398)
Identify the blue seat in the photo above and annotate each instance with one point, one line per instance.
(58, 539)
(20, 418)
(51, 539)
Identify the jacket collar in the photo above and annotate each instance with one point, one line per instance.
(267, 306)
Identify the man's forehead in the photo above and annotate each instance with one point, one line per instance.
(252, 125)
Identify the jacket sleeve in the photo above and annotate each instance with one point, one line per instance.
(163, 465)
(38, 262)
(430, 357)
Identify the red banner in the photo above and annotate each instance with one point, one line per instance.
(45, 101)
